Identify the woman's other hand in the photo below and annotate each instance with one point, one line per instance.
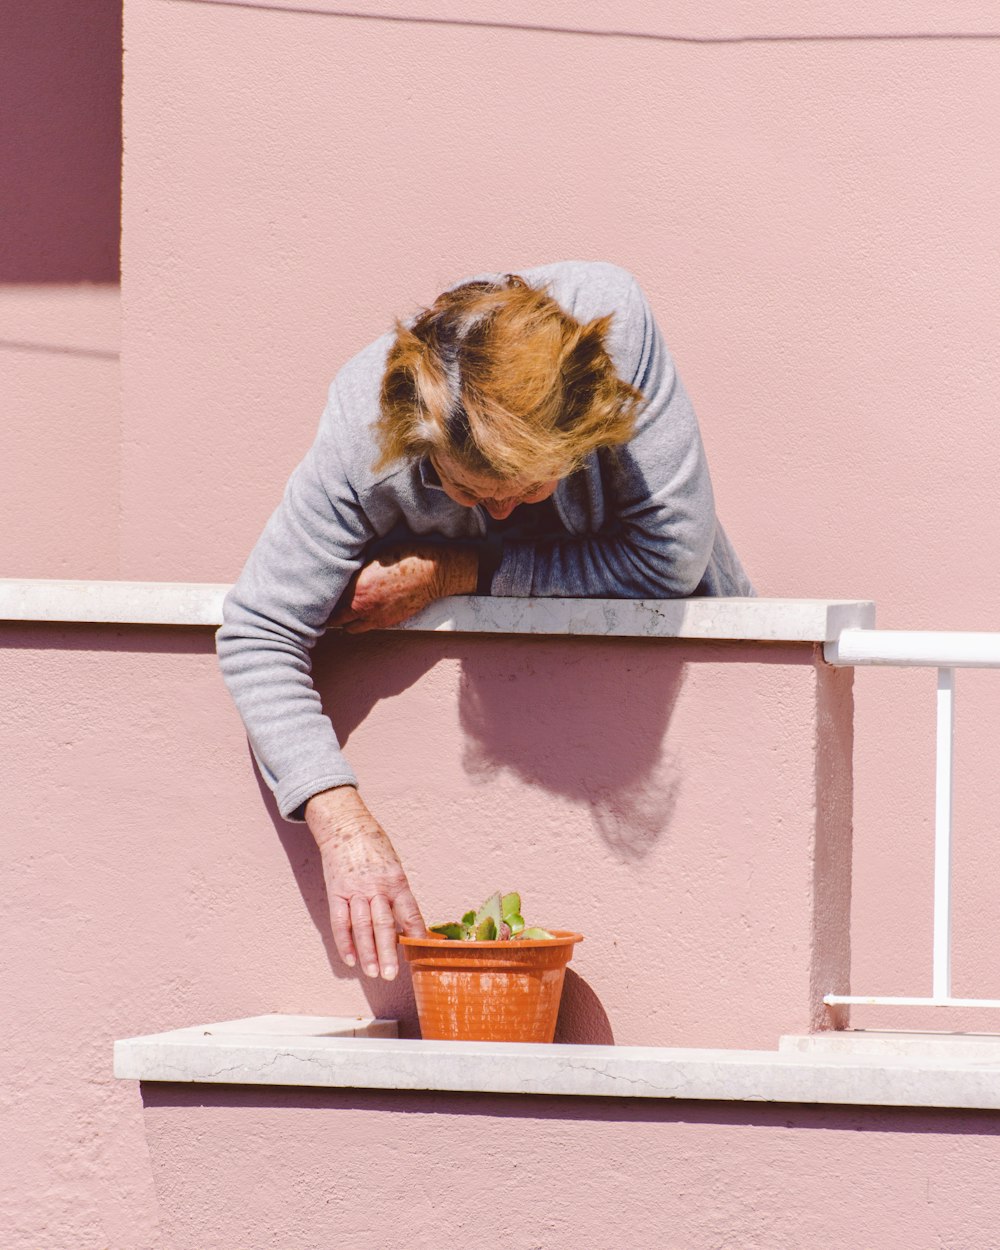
(366, 886)
(403, 580)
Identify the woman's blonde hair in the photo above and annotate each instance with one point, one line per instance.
(496, 376)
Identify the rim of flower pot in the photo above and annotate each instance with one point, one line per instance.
(560, 937)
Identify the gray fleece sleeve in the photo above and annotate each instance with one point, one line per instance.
(661, 538)
(273, 615)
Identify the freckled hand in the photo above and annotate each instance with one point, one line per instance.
(366, 886)
(402, 581)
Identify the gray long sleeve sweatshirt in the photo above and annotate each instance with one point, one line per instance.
(636, 522)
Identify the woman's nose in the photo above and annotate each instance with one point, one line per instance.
(500, 509)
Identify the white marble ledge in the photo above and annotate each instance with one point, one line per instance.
(105, 603)
(196, 603)
(290, 1054)
(274, 1027)
(750, 620)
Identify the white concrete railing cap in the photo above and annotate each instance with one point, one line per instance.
(295, 1050)
(197, 603)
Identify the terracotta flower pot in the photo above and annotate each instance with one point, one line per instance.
(489, 991)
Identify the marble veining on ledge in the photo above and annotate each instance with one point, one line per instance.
(304, 1051)
(751, 620)
(197, 603)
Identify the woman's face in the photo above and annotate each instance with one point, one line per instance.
(499, 496)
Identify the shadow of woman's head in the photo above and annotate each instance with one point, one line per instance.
(579, 721)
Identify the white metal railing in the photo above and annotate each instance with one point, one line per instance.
(945, 652)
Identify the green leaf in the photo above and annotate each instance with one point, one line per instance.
(469, 918)
(451, 930)
(511, 905)
(486, 931)
(515, 921)
(490, 908)
(532, 935)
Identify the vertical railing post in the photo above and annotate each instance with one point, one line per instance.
(942, 833)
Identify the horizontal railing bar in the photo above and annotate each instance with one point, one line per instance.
(914, 647)
(865, 1000)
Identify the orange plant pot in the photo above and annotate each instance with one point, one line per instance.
(489, 991)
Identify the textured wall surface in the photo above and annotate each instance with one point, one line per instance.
(658, 797)
(60, 176)
(370, 1169)
(808, 195)
(60, 140)
(60, 430)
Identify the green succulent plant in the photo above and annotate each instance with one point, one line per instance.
(499, 919)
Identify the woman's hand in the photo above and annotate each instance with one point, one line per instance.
(365, 882)
(403, 580)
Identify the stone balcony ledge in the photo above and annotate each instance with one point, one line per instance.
(889, 1070)
(200, 604)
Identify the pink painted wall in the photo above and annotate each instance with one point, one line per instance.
(60, 175)
(60, 142)
(806, 193)
(555, 1173)
(152, 887)
(813, 217)
(60, 430)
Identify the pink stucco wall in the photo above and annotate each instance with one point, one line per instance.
(806, 194)
(60, 430)
(374, 1169)
(811, 208)
(670, 800)
(60, 141)
(60, 174)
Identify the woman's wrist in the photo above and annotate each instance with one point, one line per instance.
(334, 811)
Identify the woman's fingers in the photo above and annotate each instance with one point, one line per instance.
(364, 930)
(408, 914)
(374, 932)
(364, 937)
(384, 925)
(365, 883)
(340, 922)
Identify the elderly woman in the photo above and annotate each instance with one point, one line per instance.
(526, 435)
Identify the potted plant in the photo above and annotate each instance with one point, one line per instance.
(488, 977)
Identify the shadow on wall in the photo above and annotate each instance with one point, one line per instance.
(60, 142)
(568, 1109)
(386, 999)
(559, 716)
(582, 1018)
(552, 712)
